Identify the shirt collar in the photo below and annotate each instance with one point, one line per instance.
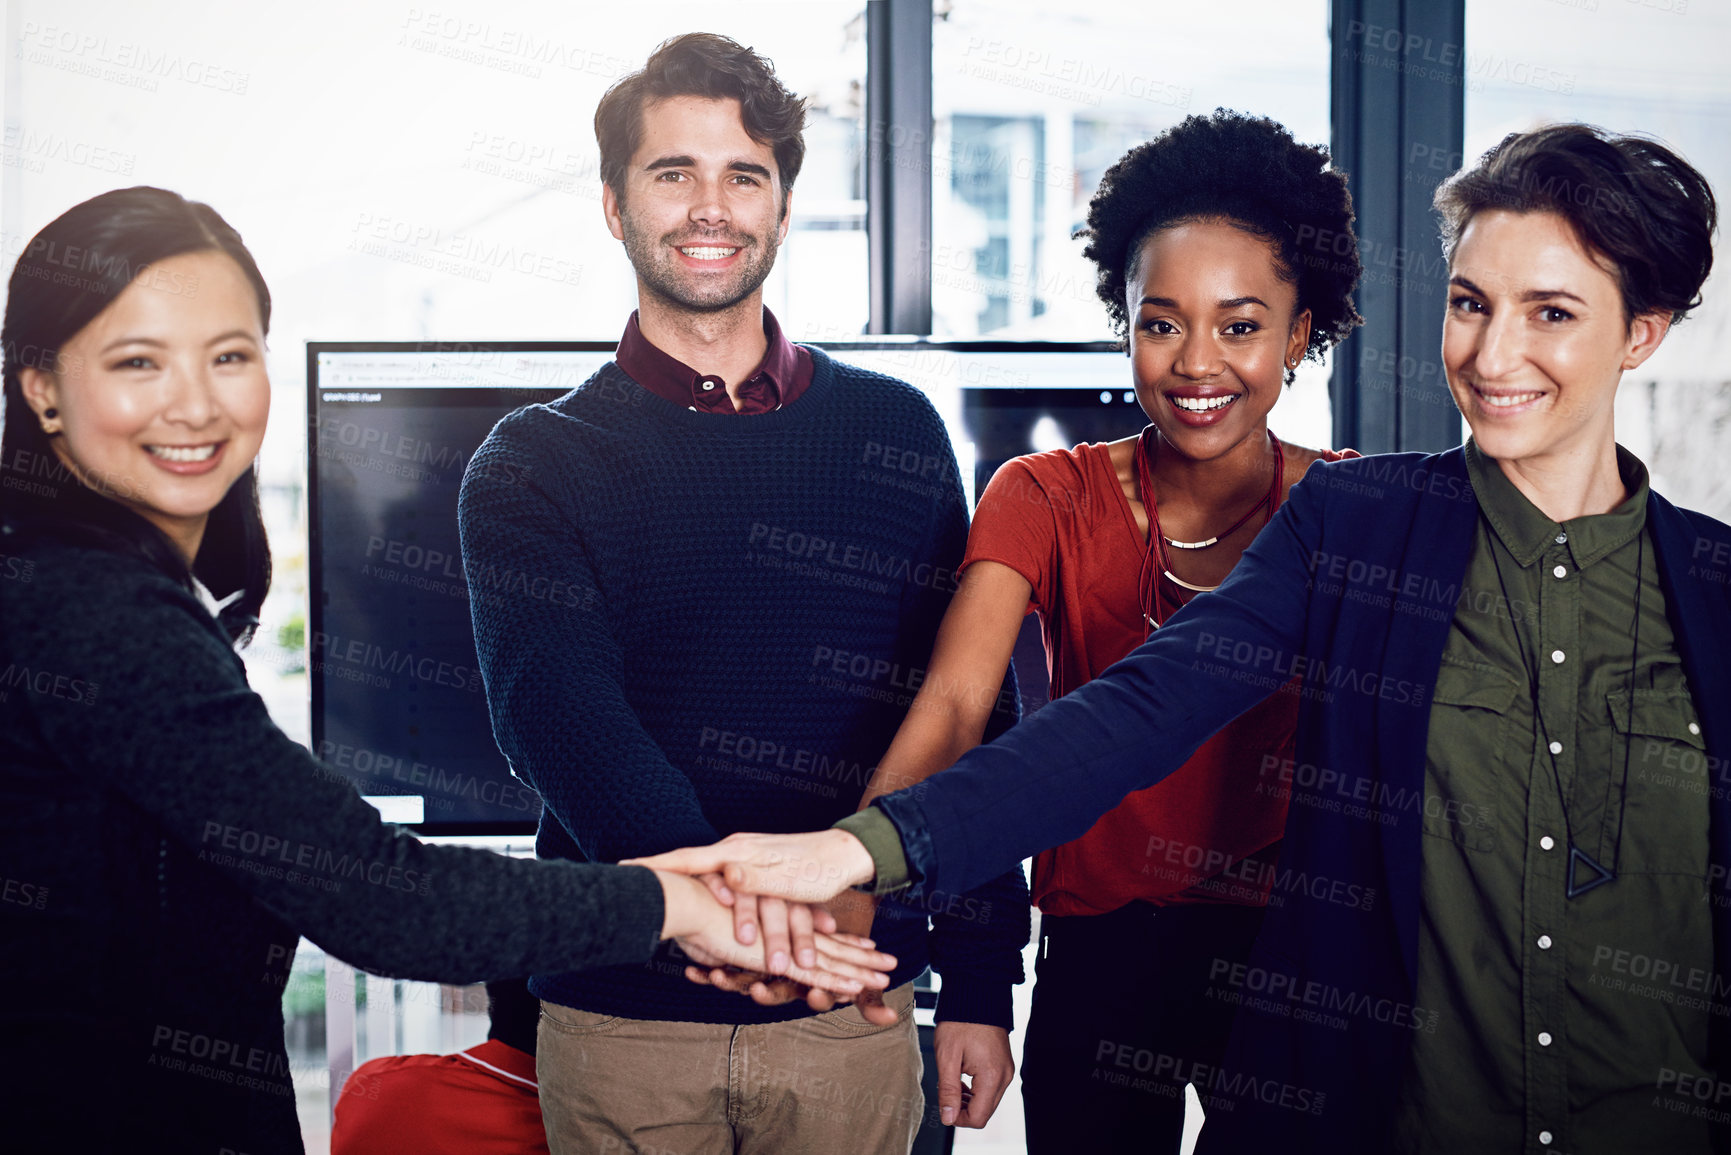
(503, 1060)
(1525, 531)
(211, 602)
(766, 388)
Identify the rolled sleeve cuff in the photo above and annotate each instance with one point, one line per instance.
(884, 843)
(976, 1000)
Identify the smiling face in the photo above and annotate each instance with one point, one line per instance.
(162, 399)
(1212, 334)
(1536, 340)
(702, 214)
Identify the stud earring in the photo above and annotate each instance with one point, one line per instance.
(50, 415)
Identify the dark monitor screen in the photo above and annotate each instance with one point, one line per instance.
(397, 700)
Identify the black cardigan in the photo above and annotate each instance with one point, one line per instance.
(163, 846)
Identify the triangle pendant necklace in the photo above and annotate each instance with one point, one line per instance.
(1584, 873)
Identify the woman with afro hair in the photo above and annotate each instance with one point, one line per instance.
(1200, 238)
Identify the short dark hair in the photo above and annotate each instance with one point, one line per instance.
(715, 68)
(117, 237)
(1249, 171)
(513, 1013)
(1631, 202)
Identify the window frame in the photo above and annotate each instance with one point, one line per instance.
(1386, 104)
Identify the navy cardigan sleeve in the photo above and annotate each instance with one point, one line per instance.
(1051, 778)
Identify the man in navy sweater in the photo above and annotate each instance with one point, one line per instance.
(753, 601)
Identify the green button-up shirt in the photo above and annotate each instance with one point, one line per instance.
(1575, 1025)
(1560, 716)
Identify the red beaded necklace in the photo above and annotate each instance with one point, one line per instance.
(1162, 591)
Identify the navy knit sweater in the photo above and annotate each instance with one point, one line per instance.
(693, 624)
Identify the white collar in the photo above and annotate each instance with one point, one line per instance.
(209, 600)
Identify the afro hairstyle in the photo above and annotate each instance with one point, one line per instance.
(1247, 170)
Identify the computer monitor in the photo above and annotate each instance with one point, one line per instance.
(397, 699)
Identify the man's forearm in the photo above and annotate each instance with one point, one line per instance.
(976, 947)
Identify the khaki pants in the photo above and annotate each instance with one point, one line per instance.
(823, 1085)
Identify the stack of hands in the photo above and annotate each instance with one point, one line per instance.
(773, 916)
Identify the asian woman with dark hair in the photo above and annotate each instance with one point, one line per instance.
(163, 844)
(1510, 924)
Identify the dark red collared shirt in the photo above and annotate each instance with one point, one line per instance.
(783, 375)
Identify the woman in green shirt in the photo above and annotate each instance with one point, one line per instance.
(1515, 726)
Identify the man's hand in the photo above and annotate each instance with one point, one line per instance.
(705, 930)
(983, 1054)
(852, 913)
(799, 867)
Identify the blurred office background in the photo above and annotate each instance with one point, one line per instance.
(411, 172)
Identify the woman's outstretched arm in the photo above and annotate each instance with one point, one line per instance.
(170, 724)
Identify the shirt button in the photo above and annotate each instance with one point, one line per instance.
(1561, 538)
(1556, 747)
(1544, 1041)
(1545, 1138)
(1557, 657)
(1547, 842)
(1544, 942)
(1694, 727)
(1560, 572)
(708, 385)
